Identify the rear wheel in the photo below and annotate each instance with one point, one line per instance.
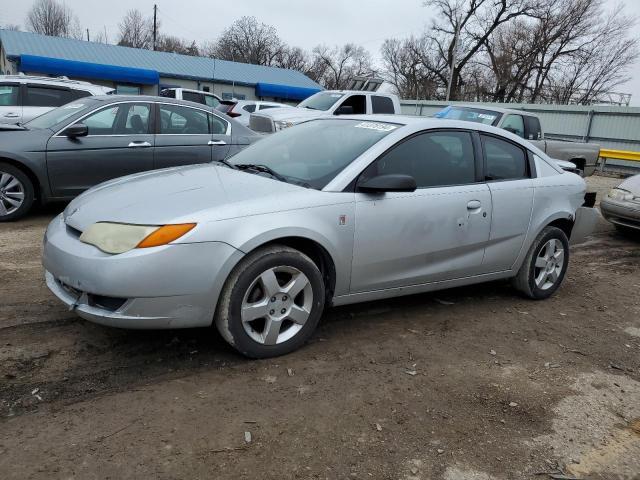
(271, 303)
(545, 266)
(16, 193)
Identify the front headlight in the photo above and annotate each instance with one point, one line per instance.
(620, 195)
(282, 124)
(120, 237)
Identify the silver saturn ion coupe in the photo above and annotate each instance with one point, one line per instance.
(329, 212)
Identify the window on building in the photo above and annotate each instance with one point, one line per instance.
(503, 160)
(9, 95)
(127, 90)
(231, 96)
(206, 89)
(432, 159)
(381, 104)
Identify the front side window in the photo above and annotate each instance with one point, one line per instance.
(314, 152)
(381, 104)
(503, 160)
(433, 159)
(46, 97)
(123, 119)
(9, 95)
(514, 124)
(179, 120)
(533, 131)
(354, 105)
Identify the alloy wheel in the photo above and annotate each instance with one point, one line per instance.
(276, 305)
(549, 264)
(11, 193)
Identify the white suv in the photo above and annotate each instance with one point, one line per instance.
(197, 96)
(23, 97)
(242, 109)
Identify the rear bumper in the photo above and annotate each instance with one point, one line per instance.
(626, 215)
(584, 225)
(173, 286)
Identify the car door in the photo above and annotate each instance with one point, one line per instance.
(119, 142)
(10, 103)
(437, 232)
(508, 171)
(184, 136)
(221, 139)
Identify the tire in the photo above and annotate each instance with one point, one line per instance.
(540, 275)
(274, 323)
(15, 186)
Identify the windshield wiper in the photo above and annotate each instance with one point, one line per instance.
(264, 169)
(226, 163)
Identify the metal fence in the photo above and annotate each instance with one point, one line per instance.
(613, 128)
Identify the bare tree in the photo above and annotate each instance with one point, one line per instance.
(334, 67)
(11, 26)
(135, 30)
(48, 17)
(168, 43)
(248, 41)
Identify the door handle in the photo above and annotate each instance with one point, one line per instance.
(12, 115)
(217, 143)
(474, 205)
(139, 144)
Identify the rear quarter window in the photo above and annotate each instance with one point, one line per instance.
(382, 104)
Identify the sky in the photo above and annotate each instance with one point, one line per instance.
(303, 23)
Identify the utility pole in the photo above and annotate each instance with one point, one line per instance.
(88, 40)
(454, 58)
(155, 25)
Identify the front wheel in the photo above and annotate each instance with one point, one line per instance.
(16, 193)
(271, 302)
(545, 266)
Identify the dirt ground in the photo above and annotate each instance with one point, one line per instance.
(473, 383)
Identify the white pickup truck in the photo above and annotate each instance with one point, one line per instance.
(527, 125)
(324, 104)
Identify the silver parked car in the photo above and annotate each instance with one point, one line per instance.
(65, 151)
(329, 212)
(621, 206)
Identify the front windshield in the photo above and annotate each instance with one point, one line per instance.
(60, 114)
(321, 101)
(478, 115)
(313, 153)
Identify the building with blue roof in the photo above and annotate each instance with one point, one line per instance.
(133, 70)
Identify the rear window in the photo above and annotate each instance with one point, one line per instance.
(478, 115)
(192, 97)
(382, 104)
(46, 97)
(168, 93)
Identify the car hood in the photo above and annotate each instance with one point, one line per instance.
(197, 193)
(632, 184)
(294, 114)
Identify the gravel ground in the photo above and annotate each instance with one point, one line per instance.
(472, 383)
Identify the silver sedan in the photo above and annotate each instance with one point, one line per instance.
(621, 206)
(330, 212)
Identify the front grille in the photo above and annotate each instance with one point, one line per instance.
(99, 301)
(260, 123)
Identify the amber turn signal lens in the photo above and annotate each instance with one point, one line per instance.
(166, 234)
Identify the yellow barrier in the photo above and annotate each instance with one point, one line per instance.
(606, 154)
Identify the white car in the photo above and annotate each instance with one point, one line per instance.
(243, 109)
(326, 103)
(23, 98)
(197, 96)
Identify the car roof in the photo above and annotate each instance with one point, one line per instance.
(55, 81)
(150, 98)
(495, 109)
(361, 92)
(191, 90)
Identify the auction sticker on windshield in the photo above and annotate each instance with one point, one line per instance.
(380, 127)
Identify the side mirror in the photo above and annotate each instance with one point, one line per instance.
(344, 110)
(77, 130)
(388, 183)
